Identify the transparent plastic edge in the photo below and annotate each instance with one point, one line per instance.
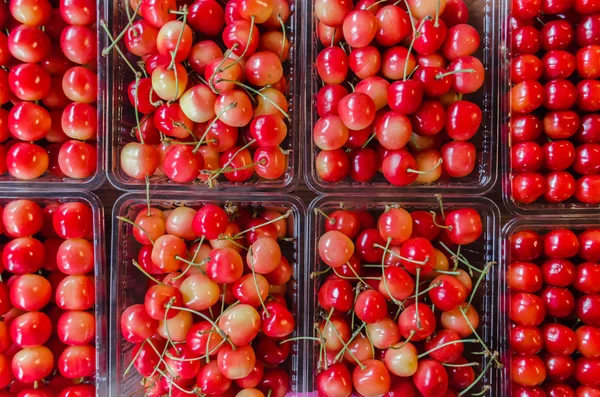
(539, 208)
(499, 379)
(109, 69)
(499, 12)
(578, 221)
(100, 281)
(262, 199)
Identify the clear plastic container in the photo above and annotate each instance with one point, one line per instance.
(128, 285)
(540, 207)
(49, 181)
(484, 250)
(486, 16)
(542, 225)
(100, 276)
(120, 115)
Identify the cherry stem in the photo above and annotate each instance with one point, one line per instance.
(412, 43)
(227, 108)
(386, 250)
(141, 269)
(422, 292)
(136, 226)
(131, 18)
(204, 316)
(442, 75)
(262, 303)
(325, 271)
(417, 315)
(322, 349)
(447, 344)
(160, 356)
(103, 26)
(232, 241)
(132, 363)
(328, 321)
(208, 353)
(482, 392)
(190, 263)
(485, 271)
(283, 39)
(218, 68)
(245, 49)
(485, 369)
(448, 272)
(357, 277)
(473, 364)
(412, 333)
(376, 3)
(253, 228)
(460, 258)
(488, 351)
(228, 163)
(329, 219)
(184, 12)
(263, 96)
(410, 16)
(433, 215)
(437, 14)
(135, 108)
(368, 335)
(155, 104)
(436, 166)
(341, 352)
(383, 277)
(364, 145)
(181, 389)
(441, 202)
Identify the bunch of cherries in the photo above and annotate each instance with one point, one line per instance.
(397, 304)
(555, 101)
(201, 111)
(555, 311)
(214, 319)
(48, 119)
(47, 297)
(394, 76)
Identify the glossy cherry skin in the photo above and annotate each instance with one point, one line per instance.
(526, 339)
(527, 309)
(587, 370)
(588, 189)
(526, 156)
(558, 272)
(558, 155)
(557, 35)
(589, 245)
(527, 187)
(559, 301)
(561, 243)
(431, 378)
(587, 309)
(587, 30)
(405, 96)
(558, 64)
(524, 277)
(525, 127)
(527, 96)
(587, 275)
(588, 130)
(528, 370)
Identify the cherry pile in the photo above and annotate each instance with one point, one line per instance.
(555, 311)
(47, 297)
(394, 75)
(48, 119)
(555, 101)
(374, 337)
(215, 319)
(201, 111)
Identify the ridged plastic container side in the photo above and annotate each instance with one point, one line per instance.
(120, 115)
(100, 276)
(128, 285)
(487, 303)
(540, 207)
(49, 181)
(486, 16)
(576, 223)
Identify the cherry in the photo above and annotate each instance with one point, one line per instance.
(586, 277)
(526, 156)
(528, 370)
(32, 364)
(527, 309)
(587, 59)
(527, 96)
(561, 244)
(557, 35)
(335, 380)
(587, 131)
(587, 29)
(524, 277)
(558, 155)
(525, 127)
(586, 309)
(526, 339)
(528, 187)
(393, 25)
(332, 165)
(588, 98)
(587, 189)
(586, 371)
(558, 272)
(405, 96)
(558, 64)
(560, 95)
(371, 379)
(431, 378)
